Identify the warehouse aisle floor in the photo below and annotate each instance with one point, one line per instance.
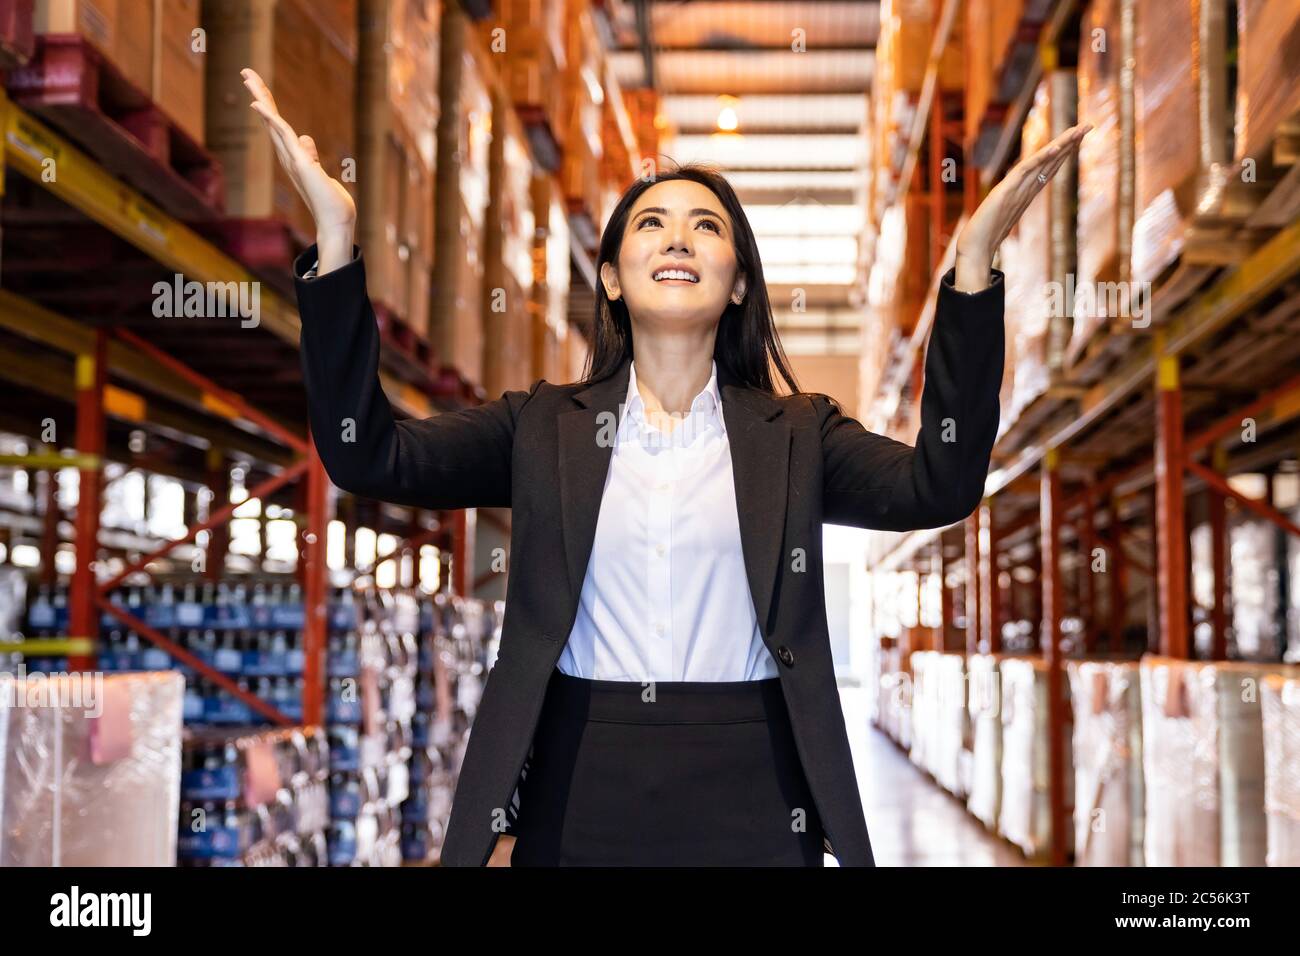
(912, 820)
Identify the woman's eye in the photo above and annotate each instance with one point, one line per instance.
(649, 219)
(710, 222)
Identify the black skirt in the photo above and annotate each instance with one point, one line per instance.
(670, 773)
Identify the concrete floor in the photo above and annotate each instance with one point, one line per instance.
(913, 821)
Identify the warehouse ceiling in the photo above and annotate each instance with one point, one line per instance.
(797, 76)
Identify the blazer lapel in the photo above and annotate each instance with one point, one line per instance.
(760, 459)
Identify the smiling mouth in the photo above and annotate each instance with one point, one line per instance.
(676, 275)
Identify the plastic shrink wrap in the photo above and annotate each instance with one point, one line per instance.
(1107, 749)
(1203, 761)
(91, 769)
(1280, 697)
(1025, 814)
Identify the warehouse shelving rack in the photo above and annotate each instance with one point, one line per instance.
(174, 384)
(1078, 473)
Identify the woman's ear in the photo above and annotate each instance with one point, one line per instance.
(609, 276)
(738, 291)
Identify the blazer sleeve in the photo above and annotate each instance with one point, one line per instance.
(458, 459)
(873, 481)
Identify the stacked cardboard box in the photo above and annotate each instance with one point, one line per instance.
(464, 136)
(1040, 257)
(527, 43)
(397, 120)
(151, 42)
(1105, 227)
(582, 96)
(307, 54)
(1181, 146)
(643, 111)
(177, 74)
(550, 300)
(1267, 92)
(1108, 800)
(508, 252)
(988, 29)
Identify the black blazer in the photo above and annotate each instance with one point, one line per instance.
(797, 462)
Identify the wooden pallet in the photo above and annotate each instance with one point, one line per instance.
(72, 86)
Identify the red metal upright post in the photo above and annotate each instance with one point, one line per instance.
(1171, 545)
(971, 527)
(91, 374)
(1088, 583)
(1117, 568)
(990, 632)
(1219, 562)
(315, 589)
(1050, 510)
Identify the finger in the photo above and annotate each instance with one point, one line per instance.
(257, 86)
(309, 147)
(1061, 145)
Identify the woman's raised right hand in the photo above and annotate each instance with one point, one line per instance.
(331, 206)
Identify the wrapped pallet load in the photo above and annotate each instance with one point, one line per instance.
(1268, 95)
(90, 769)
(508, 255)
(1105, 224)
(1040, 259)
(1281, 716)
(986, 738)
(1183, 171)
(282, 40)
(949, 762)
(464, 138)
(581, 123)
(1025, 817)
(1107, 748)
(397, 120)
(549, 304)
(1203, 762)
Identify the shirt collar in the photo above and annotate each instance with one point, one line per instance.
(707, 402)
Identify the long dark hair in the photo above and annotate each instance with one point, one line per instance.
(746, 344)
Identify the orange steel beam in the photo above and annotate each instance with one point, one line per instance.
(211, 673)
(1232, 422)
(218, 399)
(1219, 563)
(1263, 509)
(1171, 544)
(91, 431)
(1053, 608)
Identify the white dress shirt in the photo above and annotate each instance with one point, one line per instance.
(666, 597)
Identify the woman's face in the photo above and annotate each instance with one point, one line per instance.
(676, 225)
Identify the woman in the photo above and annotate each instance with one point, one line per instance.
(663, 692)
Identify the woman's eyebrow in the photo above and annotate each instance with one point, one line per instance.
(698, 211)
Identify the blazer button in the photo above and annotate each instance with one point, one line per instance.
(787, 658)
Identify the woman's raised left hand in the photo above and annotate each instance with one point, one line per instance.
(1003, 206)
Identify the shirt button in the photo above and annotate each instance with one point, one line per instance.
(659, 550)
(659, 629)
(661, 487)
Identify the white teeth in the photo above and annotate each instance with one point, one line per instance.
(675, 274)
